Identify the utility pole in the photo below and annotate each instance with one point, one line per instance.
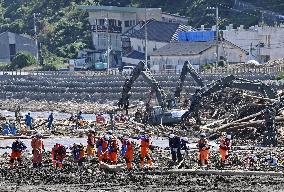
(217, 35)
(107, 26)
(35, 34)
(146, 50)
(217, 32)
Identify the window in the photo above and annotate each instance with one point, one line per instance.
(119, 23)
(127, 24)
(139, 48)
(101, 22)
(112, 22)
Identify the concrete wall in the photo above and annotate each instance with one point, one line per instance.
(173, 62)
(151, 45)
(22, 43)
(25, 44)
(4, 48)
(271, 37)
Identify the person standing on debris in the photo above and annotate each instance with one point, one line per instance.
(127, 151)
(175, 145)
(102, 149)
(82, 154)
(58, 154)
(145, 150)
(17, 148)
(91, 144)
(38, 149)
(225, 146)
(28, 121)
(183, 148)
(113, 149)
(203, 147)
(75, 151)
(79, 119)
(50, 121)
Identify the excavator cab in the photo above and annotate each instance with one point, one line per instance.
(155, 115)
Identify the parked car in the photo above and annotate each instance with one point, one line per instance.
(127, 70)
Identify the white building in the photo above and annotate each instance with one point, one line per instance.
(263, 43)
(172, 56)
(159, 34)
(120, 20)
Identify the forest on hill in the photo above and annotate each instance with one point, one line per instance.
(63, 29)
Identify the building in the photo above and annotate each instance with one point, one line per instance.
(11, 44)
(159, 34)
(120, 19)
(172, 18)
(263, 43)
(172, 56)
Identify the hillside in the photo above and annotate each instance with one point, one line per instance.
(63, 29)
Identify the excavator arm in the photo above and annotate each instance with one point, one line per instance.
(226, 82)
(187, 68)
(146, 74)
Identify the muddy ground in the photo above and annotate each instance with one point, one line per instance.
(83, 180)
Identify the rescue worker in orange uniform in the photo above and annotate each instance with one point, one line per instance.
(113, 149)
(100, 119)
(145, 150)
(203, 147)
(58, 154)
(102, 149)
(38, 149)
(91, 144)
(127, 152)
(225, 146)
(17, 148)
(82, 154)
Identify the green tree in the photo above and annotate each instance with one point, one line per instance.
(21, 60)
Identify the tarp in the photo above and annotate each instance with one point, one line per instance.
(197, 36)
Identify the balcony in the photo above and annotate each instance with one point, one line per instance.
(101, 28)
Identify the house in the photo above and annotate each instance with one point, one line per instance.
(263, 43)
(12, 43)
(171, 57)
(119, 19)
(174, 18)
(159, 34)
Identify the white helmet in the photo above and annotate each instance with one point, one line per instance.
(228, 136)
(38, 135)
(171, 136)
(185, 139)
(106, 137)
(202, 135)
(109, 132)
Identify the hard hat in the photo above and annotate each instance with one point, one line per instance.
(109, 132)
(38, 135)
(202, 135)
(171, 136)
(185, 139)
(228, 136)
(110, 137)
(106, 137)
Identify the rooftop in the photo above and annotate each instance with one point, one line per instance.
(136, 55)
(116, 9)
(160, 31)
(187, 48)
